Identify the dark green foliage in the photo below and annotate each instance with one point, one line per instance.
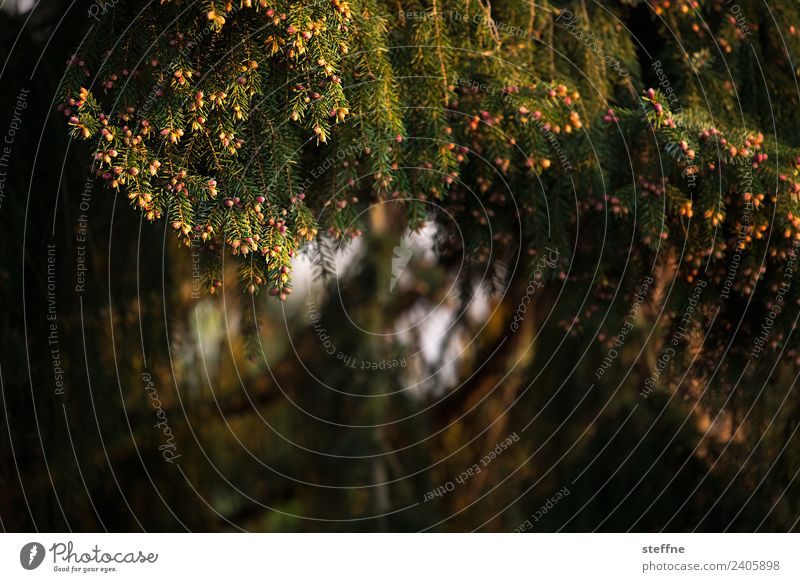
(275, 120)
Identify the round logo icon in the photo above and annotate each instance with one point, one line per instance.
(31, 555)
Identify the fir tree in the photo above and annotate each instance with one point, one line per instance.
(257, 127)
